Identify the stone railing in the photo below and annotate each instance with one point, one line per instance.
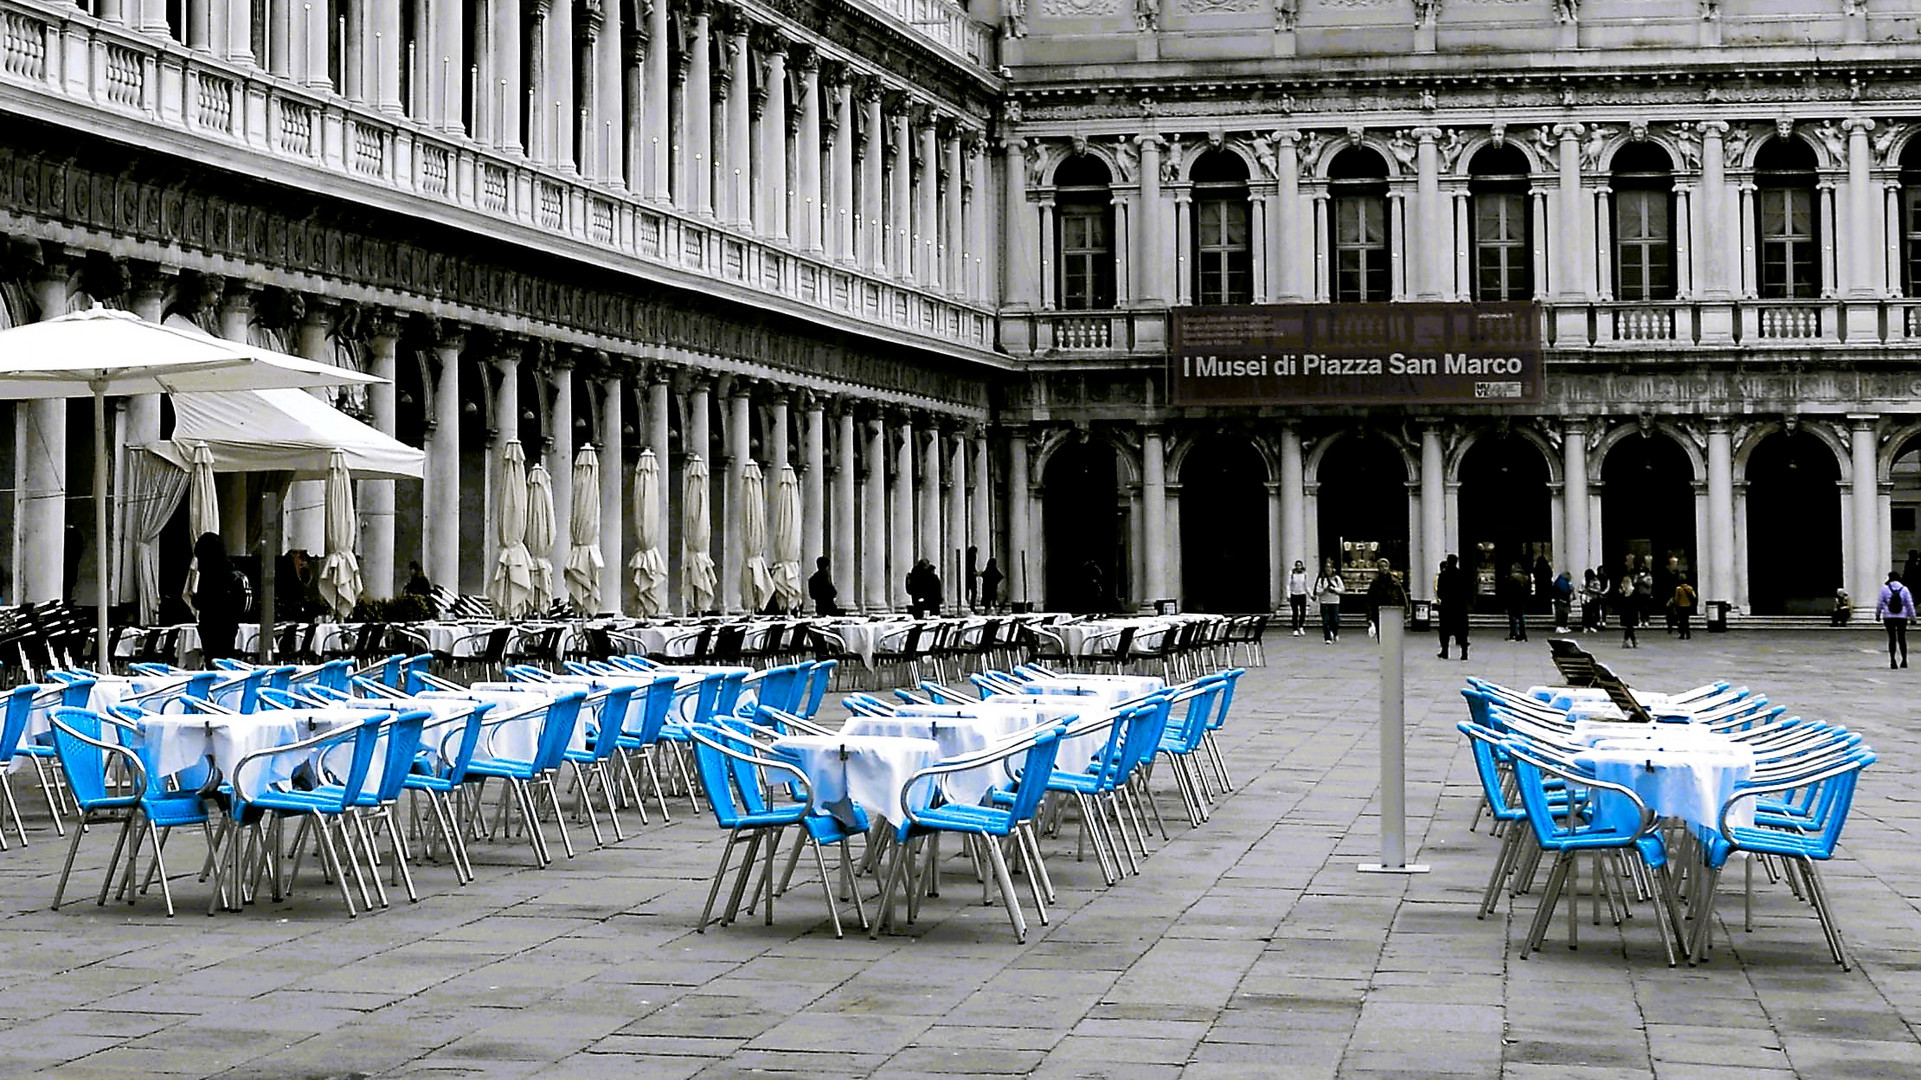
(67, 65)
(941, 22)
(1067, 334)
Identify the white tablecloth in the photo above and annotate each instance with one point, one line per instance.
(1111, 689)
(515, 740)
(1688, 781)
(174, 743)
(1078, 751)
(956, 736)
(866, 770)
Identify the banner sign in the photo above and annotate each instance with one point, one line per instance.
(1356, 354)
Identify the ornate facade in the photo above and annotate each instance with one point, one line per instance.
(926, 256)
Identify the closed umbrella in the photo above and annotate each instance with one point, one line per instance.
(696, 536)
(540, 536)
(340, 569)
(583, 557)
(203, 509)
(786, 538)
(756, 581)
(513, 583)
(650, 569)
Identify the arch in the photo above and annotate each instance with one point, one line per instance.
(1083, 170)
(1795, 142)
(1311, 461)
(1224, 526)
(1507, 159)
(1506, 506)
(1647, 504)
(1083, 528)
(1473, 145)
(1221, 166)
(1549, 452)
(1178, 450)
(1893, 449)
(1793, 570)
(1697, 461)
(1362, 497)
(1640, 157)
(1323, 167)
(1625, 142)
(1127, 460)
(1191, 154)
(1059, 155)
(1837, 446)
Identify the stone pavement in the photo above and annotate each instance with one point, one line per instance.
(1249, 947)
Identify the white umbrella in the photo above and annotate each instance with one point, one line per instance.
(104, 353)
(787, 538)
(756, 581)
(696, 536)
(650, 569)
(583, 556)
(513, 583)
(541, 531)
(203, 510)
(340, 569)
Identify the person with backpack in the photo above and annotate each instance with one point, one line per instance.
(1328, 588)
(1894, 608)
(1683, 606)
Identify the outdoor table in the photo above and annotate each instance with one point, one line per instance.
(1112, 689)
(956, 736)
(844, 771)
(1687, 779)
(517, 739)
(1075, 753)
(174, 743)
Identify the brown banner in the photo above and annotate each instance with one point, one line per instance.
(1356, 354)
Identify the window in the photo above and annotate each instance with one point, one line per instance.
(1643, 182)
(1223, 254)
(1357, 189)
(1085, 209)
(1911, 218)
(1503, 249)
(1784, 209)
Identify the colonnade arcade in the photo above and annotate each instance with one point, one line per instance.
(1763, 512)
(885, 476)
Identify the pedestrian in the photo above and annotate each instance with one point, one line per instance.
(1517, 590)
(217, 597)
(1297, 596)
(1603, 597)
(1894, 608)
(1665, 583)
(1590, 602)
(1563, 596)
(1627, 606)
(1644, 589)
(991, 578)
(1683, 606)
(1454, 591)
(923, 590)
(820, 588)
(1543, 584)
(1383, 591)
(1327, 591)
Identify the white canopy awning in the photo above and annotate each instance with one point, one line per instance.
(283, 431)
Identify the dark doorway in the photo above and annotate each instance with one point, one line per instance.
(1794, 526)
(1647, 505)
(1363, 509)
(1506, 513)
(1083, 523)
(1224, 536)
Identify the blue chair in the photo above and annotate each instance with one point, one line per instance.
(640, 739)
(609, 709)
(1801, 842)
(141, 804)
(521, 777)
(400, 746)
(988, 827)
(739, 778)
(440, 772)
(1181, 742)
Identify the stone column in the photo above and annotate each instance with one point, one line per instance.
(980, 198)
(813, 484)
(873, 230)
(808, 203)
(440, 529)
(900, 210)
(559, 100)
(540, 115)
(696, 160)
(1295, 273)
(237, 32)
(1432, 238)
(150, 303)
(737, 164)
(657, 131)
(1022, 247)
(1568, 268)
(1576, 554)
(504, 98)
(1293, 500)
(926, 225)
(928, 542)
(306, 505)
(1719, 584)
(1433, 509)
(901, 506)
(447, 69)
(843, 212)
(1864, 235)
(560, 463)
(740, 407)
(382, 48)
(873, 548)
(980, 532)
(1870, 555)
(847, 571)
(376, 499)
(608, 123)
(770, 216)
(1154, 513)
(953, 238)
(1018, 540)
(42, 449)
(613, 485)
(312, 45)
(1150, 282)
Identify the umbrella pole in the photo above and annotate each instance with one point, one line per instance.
(269, 565)
(100, 525)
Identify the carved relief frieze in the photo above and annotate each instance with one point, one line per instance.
(1733, 393)
(1218, 7)
(1078, 9)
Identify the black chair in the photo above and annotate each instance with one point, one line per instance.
(728, 645)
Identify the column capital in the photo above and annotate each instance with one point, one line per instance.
(1569, 132)
(1427, 134)
(381, 322)
(447, 334)
(1858, 124)
(1712, 129)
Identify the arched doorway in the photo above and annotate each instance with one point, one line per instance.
(1793, 569)
(1904, 512)
(1362, 508)
(1086, 543)
(1647, 505)
(1224, 535)
(1506, 513)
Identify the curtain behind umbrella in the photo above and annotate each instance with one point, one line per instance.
(155, 489)
(583, 532)
(541, 531)
(650, 569)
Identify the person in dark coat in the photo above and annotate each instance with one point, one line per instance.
(1454, 591)
(923, 590)
(820, 588)
(217, 598)
(991, 578)
(1516, 596)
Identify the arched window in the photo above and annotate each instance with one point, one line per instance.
(1785, 219)
(1084, 206)
(1643, 183)
(1357, 189)
(1911, 218)
(1223, 257)
(1503, 237)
